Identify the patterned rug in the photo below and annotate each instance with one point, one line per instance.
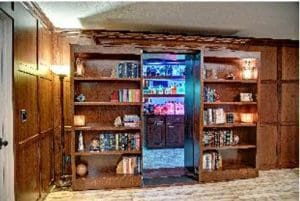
(270, 185)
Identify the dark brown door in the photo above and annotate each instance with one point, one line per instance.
(155, 132)
(174, 134)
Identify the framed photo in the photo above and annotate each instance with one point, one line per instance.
(246, 97)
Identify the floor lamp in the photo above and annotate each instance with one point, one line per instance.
(62, 72)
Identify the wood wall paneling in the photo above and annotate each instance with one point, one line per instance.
(267, 149)
(269, 103)
(290, 102)
(289, 147)
(33, 92)
(27, 177)
(268, 65)
(290, 63)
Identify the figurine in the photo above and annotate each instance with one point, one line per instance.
(80, 98)
(236, 139)
(118, 122)
(79, 67)
(95, 145)
(230, 76)
(80, 142)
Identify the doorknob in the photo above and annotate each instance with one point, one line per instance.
(3, 143)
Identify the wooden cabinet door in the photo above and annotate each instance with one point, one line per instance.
(155, 133)
(174, 134)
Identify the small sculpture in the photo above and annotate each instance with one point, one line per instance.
(230, 76)
(81, 169)
(80, 98)
(95, 145)
(79, 67)
(236, 139)
(118, 122)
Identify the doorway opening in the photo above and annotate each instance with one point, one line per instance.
(170, 149)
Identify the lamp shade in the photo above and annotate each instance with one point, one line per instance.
(249, 70)
(247, 117)
(61, 70)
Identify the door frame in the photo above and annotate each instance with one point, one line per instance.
(7, 132)
(192, 136)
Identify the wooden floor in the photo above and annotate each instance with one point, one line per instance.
(270, 185)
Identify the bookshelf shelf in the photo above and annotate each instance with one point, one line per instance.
(163, 77)
(101, 127)
(230, 125)
(229, 147)
(95, 79)
(107, 103)
(222, 81)
(229, 103)
(107, 153)
(163, 95)
(108, 180)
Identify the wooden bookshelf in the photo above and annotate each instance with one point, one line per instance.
(237, 160)
(97, 85)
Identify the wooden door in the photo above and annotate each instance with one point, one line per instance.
(155, 129)
(175, 131)
(174, 135)
(6, 114)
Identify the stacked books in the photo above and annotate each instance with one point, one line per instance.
(212, 161)
(126, 95)
(214, 116)
(127, 70)
(218, 138)
(120, 142)
(129, 165)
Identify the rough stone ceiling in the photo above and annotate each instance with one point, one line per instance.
(278, 20)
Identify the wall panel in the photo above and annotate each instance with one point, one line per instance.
(290, 63)
(269, 103)
(267, 149)
(290, 102)
(289, 146)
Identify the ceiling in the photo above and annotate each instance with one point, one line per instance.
(277, 20)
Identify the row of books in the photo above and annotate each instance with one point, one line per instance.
(214, 116)
(212, 161)
(126, 95)
(127, 70)
(120, 141)
(129, 165)
(211, 95)
(219, 138)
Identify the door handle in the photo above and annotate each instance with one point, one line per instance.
(3, 143)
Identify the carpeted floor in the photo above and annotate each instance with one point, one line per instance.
(270, 185)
